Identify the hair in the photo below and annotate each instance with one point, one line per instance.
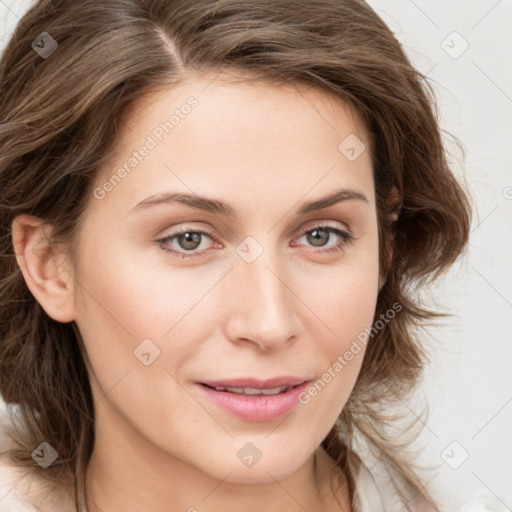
(60, 118)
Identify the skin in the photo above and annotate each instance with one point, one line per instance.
(265, 150)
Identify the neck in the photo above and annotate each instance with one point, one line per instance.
(317, 486)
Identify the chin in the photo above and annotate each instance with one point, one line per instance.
(262, 475)
(270, 467)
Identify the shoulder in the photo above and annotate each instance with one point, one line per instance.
(13, 487)
(374, 493)
(22, 491)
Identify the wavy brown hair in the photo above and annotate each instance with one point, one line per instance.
(61, 116)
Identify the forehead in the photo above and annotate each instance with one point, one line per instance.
(226, 134)
(229, 98)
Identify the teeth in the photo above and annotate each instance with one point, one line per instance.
(253, 391)
(274, 391)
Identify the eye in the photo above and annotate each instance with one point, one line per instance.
(320, 234)
(189, 240)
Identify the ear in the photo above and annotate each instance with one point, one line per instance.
(46, 271)
(393, 207)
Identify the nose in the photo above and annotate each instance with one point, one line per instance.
(262, 305)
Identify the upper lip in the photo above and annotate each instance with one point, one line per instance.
(276, 382)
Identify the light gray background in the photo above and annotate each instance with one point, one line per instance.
(468, 386)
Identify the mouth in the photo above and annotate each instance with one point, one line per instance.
(254, 400)
(252, 391)
(250, 386)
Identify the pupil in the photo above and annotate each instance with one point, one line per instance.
(315, 237)
(190, 240)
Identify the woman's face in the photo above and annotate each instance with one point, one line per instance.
(265, 285)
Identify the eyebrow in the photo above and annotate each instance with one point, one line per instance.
(222, 208)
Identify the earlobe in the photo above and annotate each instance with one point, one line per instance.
(394, 203)
(43, 268)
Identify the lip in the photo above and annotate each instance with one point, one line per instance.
(276, 382)
(255, 408)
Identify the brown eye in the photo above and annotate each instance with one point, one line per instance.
(189, 240)
(186, 241)
(319, 236)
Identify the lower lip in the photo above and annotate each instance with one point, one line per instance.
(256, 407)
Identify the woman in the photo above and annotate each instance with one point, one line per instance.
(213, 213)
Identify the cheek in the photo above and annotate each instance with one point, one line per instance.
(135, 303)
(125, 291)
(346, 304)
(134, 323)
(349, 313)
(345, 295)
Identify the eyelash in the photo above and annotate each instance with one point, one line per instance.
(346, 238)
